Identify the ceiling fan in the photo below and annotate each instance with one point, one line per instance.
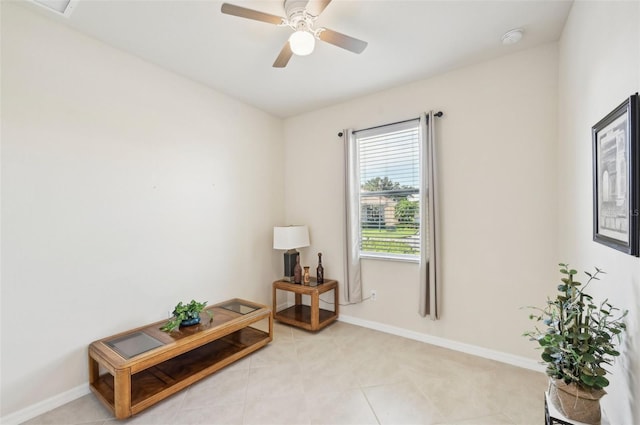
(301, 17)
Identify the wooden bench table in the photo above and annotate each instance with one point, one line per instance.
(133, 370)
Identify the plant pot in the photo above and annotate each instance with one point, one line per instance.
(190, 322)
(574, 402)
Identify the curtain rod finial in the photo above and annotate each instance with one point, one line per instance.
(438, 114)
(340, 134)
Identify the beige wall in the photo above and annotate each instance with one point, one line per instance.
(125, 189)
(599, 68)
(497, 144)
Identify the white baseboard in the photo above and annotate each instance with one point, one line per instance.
(447, 343)
(45, 405)
(284, 306)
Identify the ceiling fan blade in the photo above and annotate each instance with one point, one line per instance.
(243, 12)
(283, 58)
(315, 7)
(337, 39)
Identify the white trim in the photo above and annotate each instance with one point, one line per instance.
(283, 306)
(486, 353)
(51, 8)
(44, 406)
(365, 255)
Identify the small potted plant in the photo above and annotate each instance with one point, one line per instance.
(578, 339)
(186, 315)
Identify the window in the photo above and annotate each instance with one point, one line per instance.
(389, 170)
(391, 203)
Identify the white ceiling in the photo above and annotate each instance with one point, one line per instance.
(408, 41)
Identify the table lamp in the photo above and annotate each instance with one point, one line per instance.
(290, 238)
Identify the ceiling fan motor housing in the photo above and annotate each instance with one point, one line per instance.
(295, 9)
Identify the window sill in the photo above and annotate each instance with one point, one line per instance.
(399, 259)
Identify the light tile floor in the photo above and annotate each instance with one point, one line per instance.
(344, 374)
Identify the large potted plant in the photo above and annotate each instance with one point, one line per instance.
(578, 340)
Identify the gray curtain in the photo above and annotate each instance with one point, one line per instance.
(430, 222)
(353, 276)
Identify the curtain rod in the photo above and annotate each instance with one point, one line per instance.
(437, 114)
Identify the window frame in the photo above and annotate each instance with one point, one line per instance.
(415, 193)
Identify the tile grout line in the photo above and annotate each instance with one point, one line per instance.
(370, 405)
(246, 388)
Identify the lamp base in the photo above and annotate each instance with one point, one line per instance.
(290, 258)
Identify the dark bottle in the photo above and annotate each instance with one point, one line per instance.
(320, 269)
(297, 271)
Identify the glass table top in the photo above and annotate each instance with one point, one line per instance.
(134, 344)
(239, 307)
(139, 342)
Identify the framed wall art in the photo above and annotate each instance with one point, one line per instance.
(616, 178)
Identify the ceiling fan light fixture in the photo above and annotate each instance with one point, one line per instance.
(302, 22)
(302, 42)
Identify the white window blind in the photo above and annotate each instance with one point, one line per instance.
(389, 158)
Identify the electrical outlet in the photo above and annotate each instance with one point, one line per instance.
(374, 294)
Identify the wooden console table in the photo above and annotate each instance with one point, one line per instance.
(133, 370)
(309, 317)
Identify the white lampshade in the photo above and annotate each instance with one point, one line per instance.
(302, 43)
(290, 237)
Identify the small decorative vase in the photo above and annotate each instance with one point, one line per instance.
(297, 271)
(306, 277)
(579, 404)
(191, 321)
(320, 269)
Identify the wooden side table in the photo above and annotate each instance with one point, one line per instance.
(309, 317)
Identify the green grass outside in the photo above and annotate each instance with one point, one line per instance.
(399, 232)
(385, 240)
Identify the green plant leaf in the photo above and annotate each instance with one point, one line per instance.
(589, 381)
